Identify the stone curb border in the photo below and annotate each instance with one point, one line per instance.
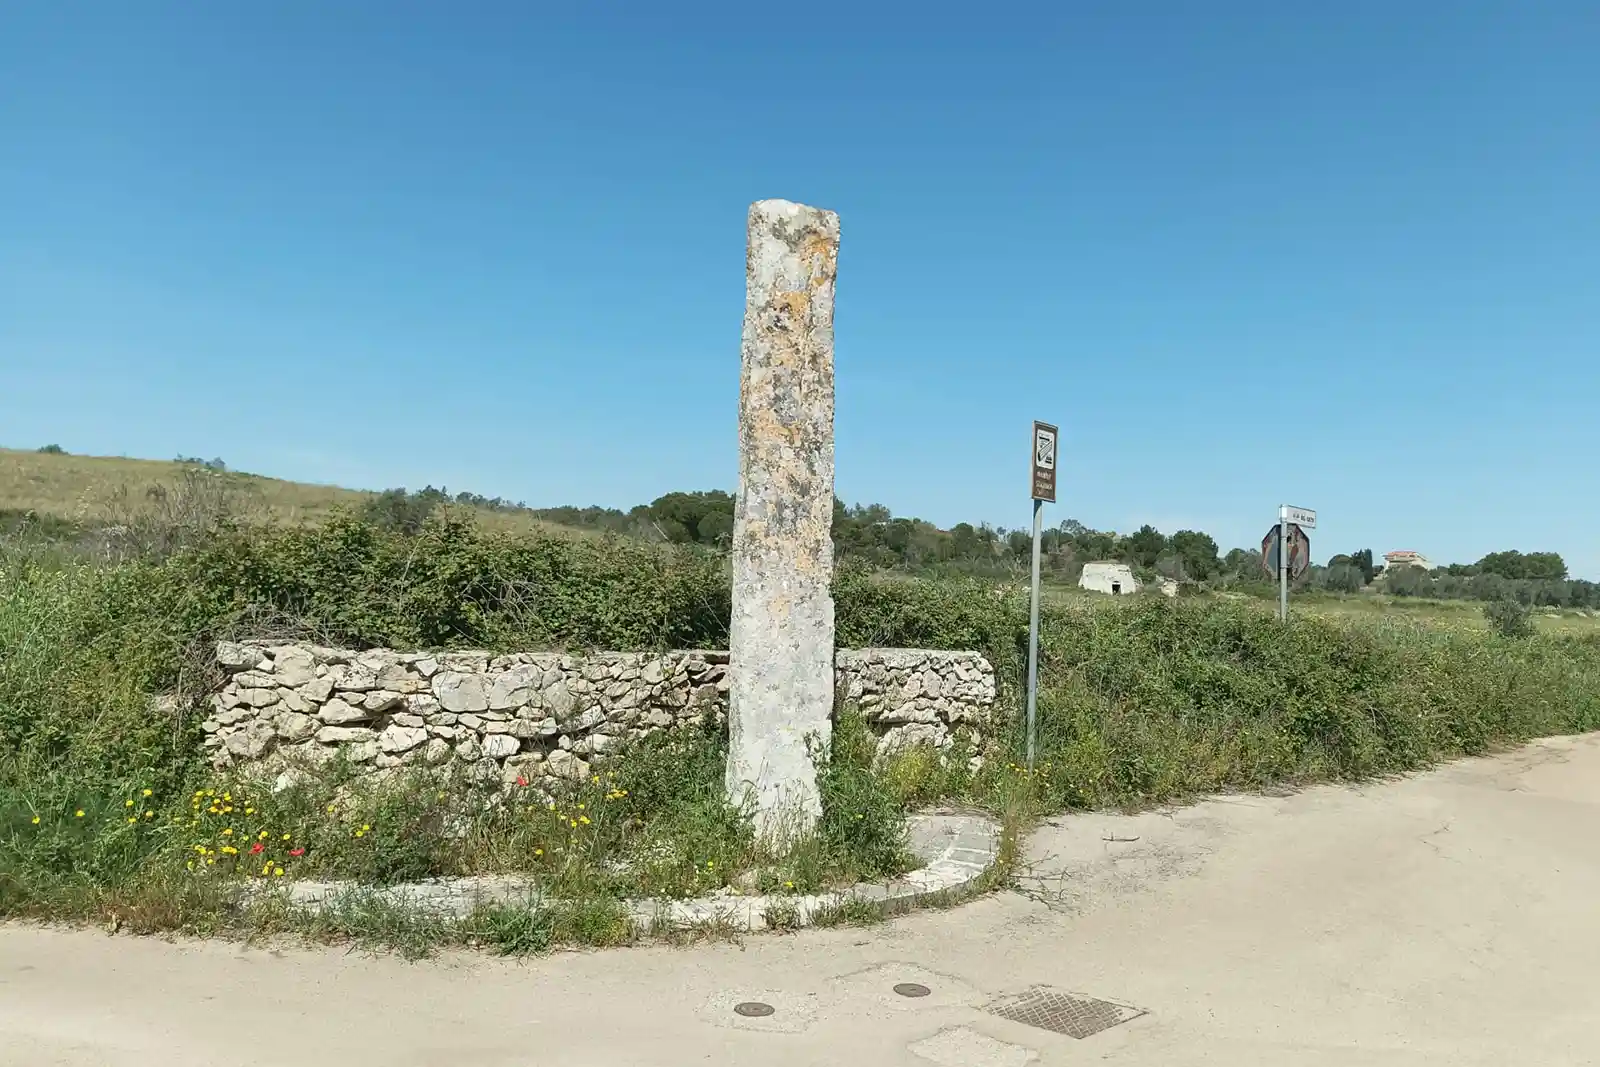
(957, 850)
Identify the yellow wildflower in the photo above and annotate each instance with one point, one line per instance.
(538, 852)
(128, 804)
(145, 793)
(36, 820)
(365, 827)
(227, 832)
(262, 836)
(249, 811)
(266, 870)
(149, 814)
(132, 818)
(286, 837)
(78, 814)
(277, 872)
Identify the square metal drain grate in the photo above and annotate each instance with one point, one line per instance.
(1063, 1013)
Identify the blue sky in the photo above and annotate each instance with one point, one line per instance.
(1341, 256)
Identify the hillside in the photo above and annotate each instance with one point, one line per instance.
(104, 488)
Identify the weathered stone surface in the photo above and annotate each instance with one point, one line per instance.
(499, 746)
(395, 677)
(258, 698)
(317, 690)
(336, 711)
(558, 699)
(514, 688)
(236, 657)
(564, 764)
(295, 726)
(380, 700)
(249, 742)
(781, 637)
(402, 738)
(294, 666)
(337, 735)
(460, 692)
(436, 752)
(360, 751)
(355, 678)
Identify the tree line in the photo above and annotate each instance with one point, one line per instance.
(874, 535)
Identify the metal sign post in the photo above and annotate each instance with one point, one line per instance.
(1283, 563)
(1045, 440)
(1286, 550)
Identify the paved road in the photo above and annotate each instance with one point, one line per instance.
(1448, 919)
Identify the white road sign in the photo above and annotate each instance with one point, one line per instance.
(1304, 518)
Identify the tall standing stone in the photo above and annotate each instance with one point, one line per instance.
(781, 641)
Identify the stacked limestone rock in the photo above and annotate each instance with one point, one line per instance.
(530, 716)
(914, 696)
(542, 715)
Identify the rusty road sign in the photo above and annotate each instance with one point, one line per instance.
(1299, 552)
(1045, 440)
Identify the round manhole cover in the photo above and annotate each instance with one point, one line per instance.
(753, 1009)
(912, 989)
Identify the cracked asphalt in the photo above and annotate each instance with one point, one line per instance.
(1446, 918)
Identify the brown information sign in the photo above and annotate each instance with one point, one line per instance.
(1045, 440)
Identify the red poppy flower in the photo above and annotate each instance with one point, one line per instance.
(257, 847)
(521, 780)
(297, 852)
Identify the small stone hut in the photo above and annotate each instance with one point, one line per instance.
(1114, 578)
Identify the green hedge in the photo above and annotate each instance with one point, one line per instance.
(1142, 697)
(1152, 699)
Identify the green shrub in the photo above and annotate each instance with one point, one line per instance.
(1508, 618)
(1148, 700)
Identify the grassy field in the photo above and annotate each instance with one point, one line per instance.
(1448, 614)
(87, 489)
(1374, 608)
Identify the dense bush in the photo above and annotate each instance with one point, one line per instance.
(1141, 699)
(1150, 699)
(1509, 618)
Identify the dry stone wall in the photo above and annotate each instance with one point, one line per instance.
(540, 715)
